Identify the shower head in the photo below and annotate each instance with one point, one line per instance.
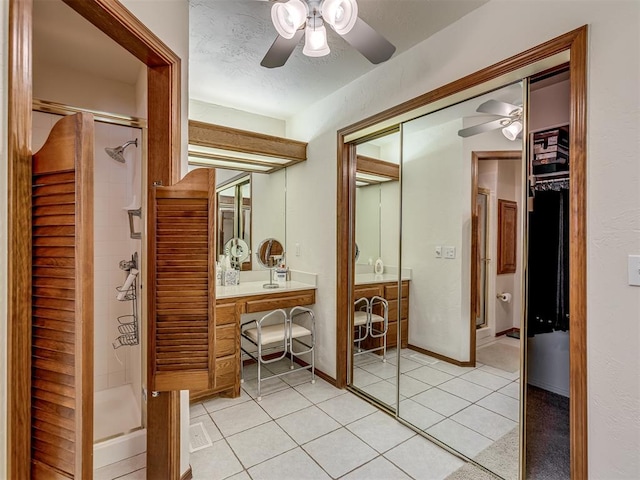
(117, 152)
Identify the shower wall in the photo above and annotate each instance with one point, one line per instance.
(115, 185)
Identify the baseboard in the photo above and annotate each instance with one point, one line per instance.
(508, 330)
(188, 475)
(440, 357)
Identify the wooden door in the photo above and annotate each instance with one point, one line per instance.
(182, 291)
(62, 303)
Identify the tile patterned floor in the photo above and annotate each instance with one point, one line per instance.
(301, 431)
(467, 408)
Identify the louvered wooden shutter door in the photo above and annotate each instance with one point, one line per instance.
(62, 303)
(182, 298)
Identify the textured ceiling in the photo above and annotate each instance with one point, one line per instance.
(229, 38)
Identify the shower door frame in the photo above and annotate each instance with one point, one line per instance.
(164, 125)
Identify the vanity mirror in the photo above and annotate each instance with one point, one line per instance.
(270, 254)
(472, 404)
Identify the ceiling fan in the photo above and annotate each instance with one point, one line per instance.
(510, 123)
(294, 19)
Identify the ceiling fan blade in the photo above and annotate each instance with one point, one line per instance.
(496, 107)
(281, 50)
(481, 128)
(369, 43)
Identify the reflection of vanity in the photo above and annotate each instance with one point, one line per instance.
(231, 303)
(368, 285)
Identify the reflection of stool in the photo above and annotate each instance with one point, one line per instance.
(278, 338)
(371, 321)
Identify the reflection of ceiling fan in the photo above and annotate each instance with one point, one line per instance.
(510, 123)
(294, 19)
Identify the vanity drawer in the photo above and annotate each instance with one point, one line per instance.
(391, 291)
(367, 291)
(226, 371)
(226, 314)
(287, 301)
(393, 310)
(226, 340)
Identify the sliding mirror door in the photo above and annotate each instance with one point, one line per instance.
(459, 378)
(375, 332)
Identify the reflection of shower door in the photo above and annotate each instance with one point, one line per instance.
(482, 210)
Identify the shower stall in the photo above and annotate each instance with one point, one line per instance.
(119, 406)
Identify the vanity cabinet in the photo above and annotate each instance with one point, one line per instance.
(226, 349)
(389, 291)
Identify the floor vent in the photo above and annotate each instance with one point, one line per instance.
(198, 437)
(418, 357)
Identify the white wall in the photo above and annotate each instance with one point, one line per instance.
(472, 43)
(368, 204)
(4, 7)
(230, 117)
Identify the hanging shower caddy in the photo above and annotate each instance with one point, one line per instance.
(128, 324)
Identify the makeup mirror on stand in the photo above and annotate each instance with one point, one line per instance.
(270, 254)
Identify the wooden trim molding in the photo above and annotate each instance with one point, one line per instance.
(444, 358)
(377, 167)
(19, 240)
(236, 140)
(507, 236)
(164, 121)
(575, 42)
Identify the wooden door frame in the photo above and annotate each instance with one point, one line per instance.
(574, 42)
(164, 120)
(476, 156)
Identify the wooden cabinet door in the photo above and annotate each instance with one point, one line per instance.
(62, 303)
(181, 333)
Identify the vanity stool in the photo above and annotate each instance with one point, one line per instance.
(277, 335)
(376, 325)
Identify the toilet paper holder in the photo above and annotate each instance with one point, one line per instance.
(504, 297)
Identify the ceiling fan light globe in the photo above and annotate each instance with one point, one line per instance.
(315, 42)
(288, 17)
(340, 14)
(512, 130)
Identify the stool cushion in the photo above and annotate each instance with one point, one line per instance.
(299, 331)
(376, 318)
(359, 318)
(270, 334)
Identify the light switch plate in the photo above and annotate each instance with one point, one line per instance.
(449, 252)
(438, 251)
(634, 270)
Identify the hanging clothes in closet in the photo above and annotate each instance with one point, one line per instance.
(548, 308)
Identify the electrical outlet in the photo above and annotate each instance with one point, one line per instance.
(438, 251)
(449, 252)
(297, 249)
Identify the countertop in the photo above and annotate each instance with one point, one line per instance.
(245, 289)
(366, 278)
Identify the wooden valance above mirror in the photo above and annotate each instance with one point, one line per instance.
(234, 149)
(371, 170)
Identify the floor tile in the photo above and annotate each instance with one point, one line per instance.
(196, 410)
(339, 452)
(280, 366)
(209, 426)
(485, 379)
(319, 391)
(502, 404)
(442, 402)
(260, 443)
(239, 476)
(381, 369)
(214, 463)
(423, 460)
(294, 464)
(418, 415)
(364, 359)
(451, 369)
(308, 424)
(362, 378)
(240, 417)
(419, 357)
(410, 386)
(346, 408)
(464, 389)
(406, 365)
(460, 438)
(429, 375)
(298, 377)
(377, 469)
(512, 390)
(485, 422)
(383, 391)
(501, 373)
(267, 386)
(381, 431)
(219, 403)
(283, 403)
